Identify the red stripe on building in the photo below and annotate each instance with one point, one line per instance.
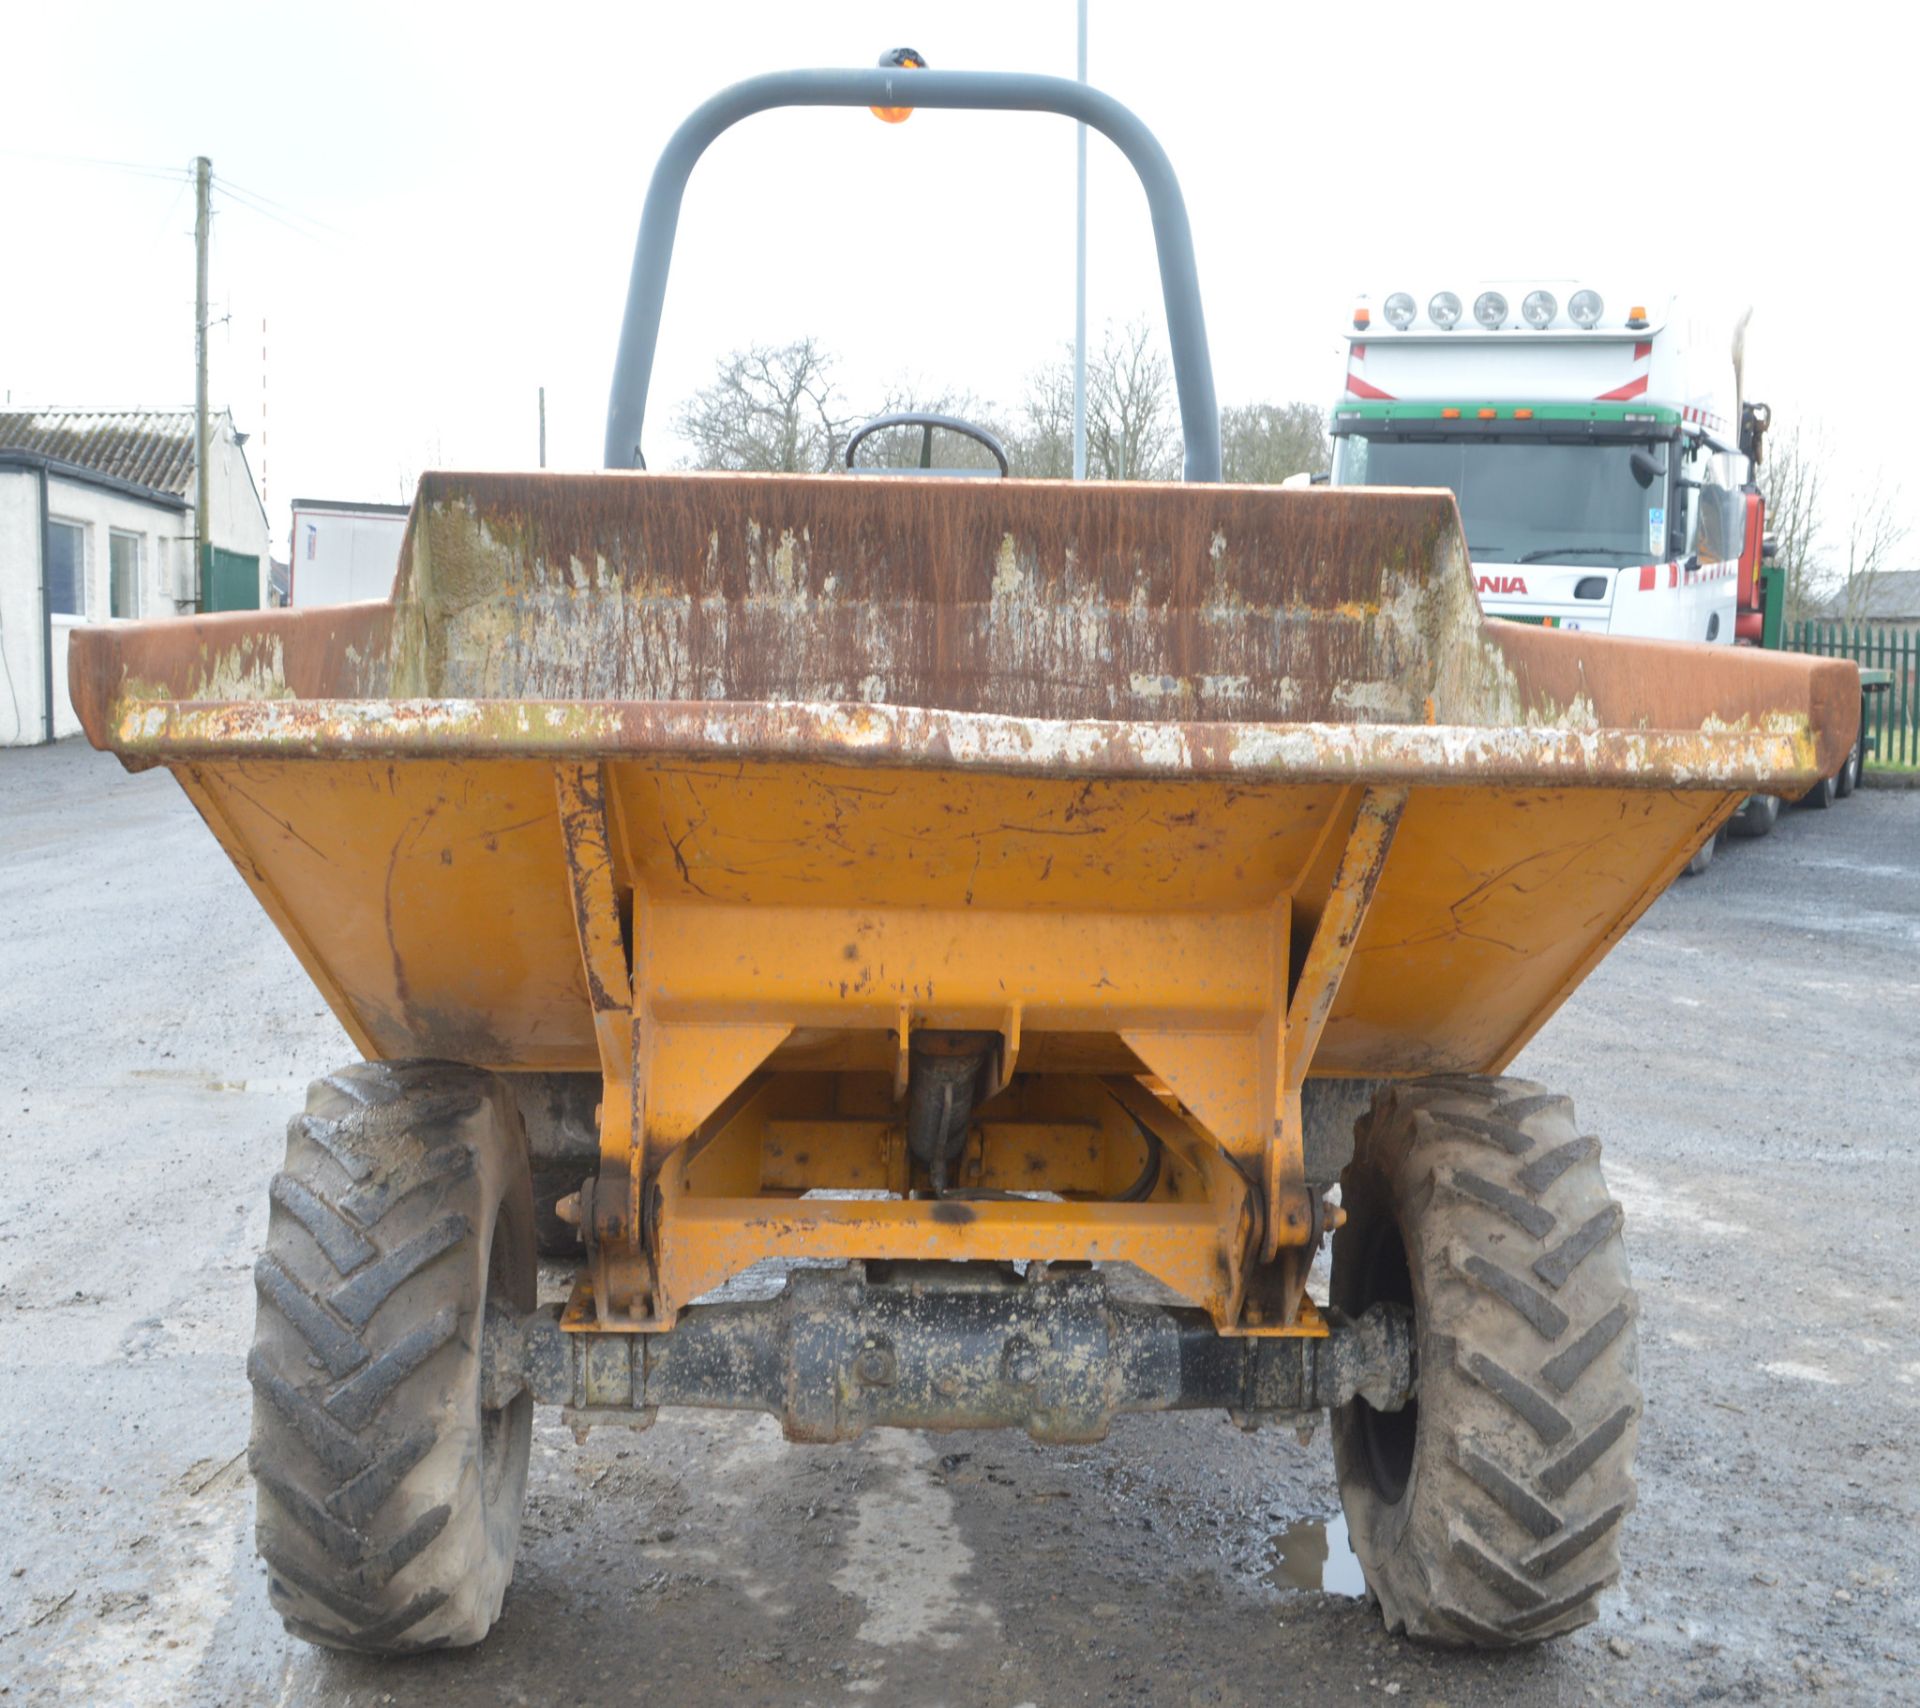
(1633, 388)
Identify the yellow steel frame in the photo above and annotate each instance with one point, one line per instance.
(703, 1153)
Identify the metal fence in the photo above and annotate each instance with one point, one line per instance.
(1893, 717)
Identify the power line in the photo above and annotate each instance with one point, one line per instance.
(270, 202)
(254, 201)
(137, 168)
(313, 231)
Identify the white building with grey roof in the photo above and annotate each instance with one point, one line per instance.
(97, 525)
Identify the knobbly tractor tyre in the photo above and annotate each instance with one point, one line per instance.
(389, 1495)
(1487, 1513)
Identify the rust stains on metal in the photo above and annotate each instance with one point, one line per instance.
(1034, 599)
(1283, 1177)
(580, 791)
(1338, 929)
(1782, 754)
(1031, 625)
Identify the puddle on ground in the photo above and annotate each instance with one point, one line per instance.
(1313, 1554)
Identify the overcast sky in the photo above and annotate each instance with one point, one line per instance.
(446, 200)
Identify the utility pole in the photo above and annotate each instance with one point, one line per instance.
(543, 426)
(202, 222)
(1080, 282)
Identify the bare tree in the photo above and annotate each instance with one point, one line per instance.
(1791, 478)
(1261, 444)
(1040, 443)
(1875, 532)
(1132, 424)
(770, 410)
(778, 409)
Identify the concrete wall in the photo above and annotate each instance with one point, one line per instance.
(21, 717)
(165, 548)
(166, 580)
(239, 523)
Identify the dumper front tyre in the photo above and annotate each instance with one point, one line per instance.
(389, 1492)
(1487, 1513)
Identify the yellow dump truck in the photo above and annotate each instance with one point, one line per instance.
(1023, 901)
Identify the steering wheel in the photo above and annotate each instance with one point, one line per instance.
(927, 422)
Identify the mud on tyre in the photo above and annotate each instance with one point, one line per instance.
(1488, 1512)
(389, 1495)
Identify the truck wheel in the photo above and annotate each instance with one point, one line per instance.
(389, 1493)
(1488, 1511)
(1756, 818)
(1822, 794)
(1849, 778)
(1703, 856)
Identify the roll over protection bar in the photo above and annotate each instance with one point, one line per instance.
(978, 91)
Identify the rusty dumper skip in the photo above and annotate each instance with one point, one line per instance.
(1002, 890)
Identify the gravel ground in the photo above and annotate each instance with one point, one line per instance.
(1751, 1056)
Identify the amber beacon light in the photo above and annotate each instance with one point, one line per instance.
(907, 60)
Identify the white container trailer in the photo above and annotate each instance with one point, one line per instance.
(343, 553)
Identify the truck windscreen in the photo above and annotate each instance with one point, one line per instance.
(1525, 500)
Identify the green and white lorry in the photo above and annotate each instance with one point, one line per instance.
(1602, 456)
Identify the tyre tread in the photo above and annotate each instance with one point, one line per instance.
(1529, 1367)
(377, 1200)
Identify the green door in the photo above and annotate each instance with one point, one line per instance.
(233, 581)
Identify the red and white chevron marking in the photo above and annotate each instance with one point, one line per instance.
(1653, 575)
(1637, 386)
(1358, 387)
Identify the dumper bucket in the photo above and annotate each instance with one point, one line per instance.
(1224, 786)
(1128, 814)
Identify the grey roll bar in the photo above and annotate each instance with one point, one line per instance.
(888, 86)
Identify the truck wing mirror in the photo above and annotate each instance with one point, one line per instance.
(1645, 470)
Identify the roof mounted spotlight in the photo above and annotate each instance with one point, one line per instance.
(1537, 309)
(1399, 310)
(1444, 310)
(1490, 309)
(1584, 309)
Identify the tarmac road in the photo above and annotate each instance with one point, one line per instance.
(1750, 1055)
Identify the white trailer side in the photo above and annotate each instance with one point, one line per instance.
(343, 553)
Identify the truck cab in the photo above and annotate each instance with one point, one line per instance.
(1592, 443)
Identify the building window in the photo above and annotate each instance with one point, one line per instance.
(124, 550)
(67, 569)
